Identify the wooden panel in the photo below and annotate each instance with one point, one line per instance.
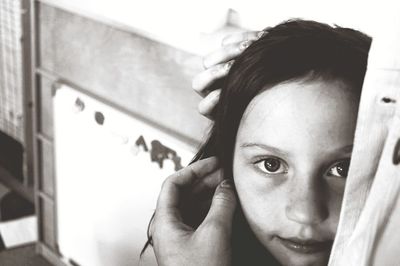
(146, 77)
(50, 255)
(46, 166)
(12, 257)
(47, 223)
(45, 107)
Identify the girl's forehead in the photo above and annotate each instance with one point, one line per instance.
(298, 111)
(302, 96)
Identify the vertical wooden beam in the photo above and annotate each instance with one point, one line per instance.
(30, 105)
(28, 63)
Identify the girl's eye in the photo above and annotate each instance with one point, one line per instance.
(340, 169)
(272, 166)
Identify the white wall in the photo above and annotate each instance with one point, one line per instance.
(366, 16)
(187, 24)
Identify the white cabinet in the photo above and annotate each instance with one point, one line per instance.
(109, 170)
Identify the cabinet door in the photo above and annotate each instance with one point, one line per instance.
(109, 171)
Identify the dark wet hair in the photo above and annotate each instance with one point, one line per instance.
(294, 49)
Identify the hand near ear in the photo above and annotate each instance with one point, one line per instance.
(178, 244)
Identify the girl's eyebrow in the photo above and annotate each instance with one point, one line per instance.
(346, 149)
(264, 147)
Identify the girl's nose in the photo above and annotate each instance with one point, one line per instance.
(307, 202)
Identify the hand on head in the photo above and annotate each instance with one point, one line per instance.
(217, 64)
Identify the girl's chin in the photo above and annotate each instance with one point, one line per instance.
(303, 260)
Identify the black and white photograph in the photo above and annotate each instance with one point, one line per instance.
(199, 133)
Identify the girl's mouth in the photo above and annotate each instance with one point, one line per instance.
(309, 246)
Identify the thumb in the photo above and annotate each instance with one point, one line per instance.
(223, 205)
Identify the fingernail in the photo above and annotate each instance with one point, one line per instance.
(244, 45)
(214, 94)
(260, 34)
(227, 183)
(229, 64)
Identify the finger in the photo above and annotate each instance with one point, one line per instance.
(226, 53)
(223, 206)
(168, 200)
(205, 79)
(207, 184)
(242, 36)
(232, 46)
(196, 201)
(207, 105)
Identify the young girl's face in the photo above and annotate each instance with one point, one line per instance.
(290, 164)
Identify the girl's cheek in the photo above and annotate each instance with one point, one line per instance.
(335, 205)
(249, 177)
(336, 185)
(260, 196)
(263, 206)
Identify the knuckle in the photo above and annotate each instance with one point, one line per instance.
(225, 198)
(190, 171)
(170, 180)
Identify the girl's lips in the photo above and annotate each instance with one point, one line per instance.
(305, 246)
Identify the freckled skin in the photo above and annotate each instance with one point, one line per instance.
(308, 124)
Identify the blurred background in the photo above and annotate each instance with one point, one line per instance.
(96, 109)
